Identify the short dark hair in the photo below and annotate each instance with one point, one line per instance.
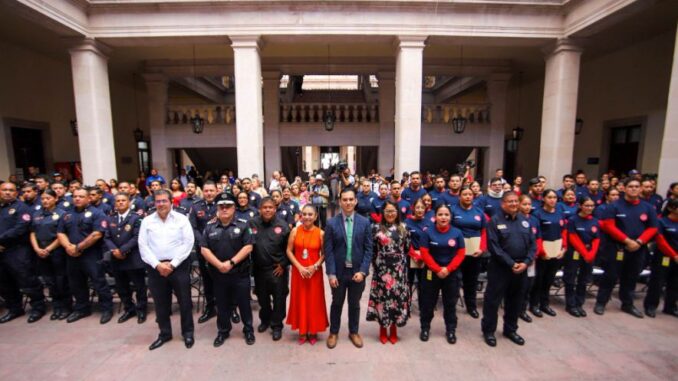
(568, 176)
(163, 192)
(346, 190)
(629, 180)
(267, 200)
(29, 185)
(508, 194)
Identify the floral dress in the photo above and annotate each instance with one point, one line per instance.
(389, 294)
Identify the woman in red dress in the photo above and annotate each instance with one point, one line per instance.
(307, 312)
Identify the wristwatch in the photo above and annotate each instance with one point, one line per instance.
(231, 262)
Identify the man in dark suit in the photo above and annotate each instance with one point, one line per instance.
(348, 253)
(121, 240)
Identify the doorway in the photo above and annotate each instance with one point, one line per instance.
(624, 148)
(28, 149)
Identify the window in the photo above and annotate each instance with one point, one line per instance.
(144, 156)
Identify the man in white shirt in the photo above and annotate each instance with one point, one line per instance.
(165, 242)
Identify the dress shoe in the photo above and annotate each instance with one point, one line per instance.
(35, 316)
(514, 337)
(277, 334)
(548, 310)
(106, 316)
(651, 312)
(207, 315)
(332, 340)
(141, 317)
(671, 312)
(473, 313)
(54, 315)
(632, 310)
(393, 335)
(77, 315)
(219, 340)
(312, 339)
(9, 316)
(189, 341)
(262, 327)
(599, 309)
(451, 337)
(382, 335)
(573, 311)
(582, 313)
(235, 318)
(490, 339)
(536, 312)
(249, 338)
(126, 316)
(356, 340)
(158, 343)
(424, 335)
(526, 318)
(64, 314)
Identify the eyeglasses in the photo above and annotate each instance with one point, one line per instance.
(390, 211)
(162, 201)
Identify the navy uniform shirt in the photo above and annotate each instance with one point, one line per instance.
(450, 199)
(270, 243)
(635, 220)
(245, 215)
(586, 228)
(567, 210)
(109, 199)
(404, 209)
(45, 225)
(123, 235)
(104, 207)
(551, 224)
(430, 218)
(410, 195)
(285, 214)
(511, 240)
(78, 224)
(149, 204)
(136, 205)
(437, 198)
(255, 199)
(364, 206)
(292, 206)
(65, 203)
(443, 247)
(488, 204)
(188, 202)
(417, 229)
(656, 201)
(15, 221)
(225, 241)
(34, 205)
(668, 229)
(598, 198)
(201, 212)
(537, 204)
(377, 204)
(470, 221)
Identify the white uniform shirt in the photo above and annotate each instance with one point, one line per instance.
(169, 240)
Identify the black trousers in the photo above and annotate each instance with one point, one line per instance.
(231, 290)
(545, 275)
(53, 272)
(346, 287)
(502, 284)
(321, 221)
(17, 276)
(82, 268)
(161, 288)
(664, 273)
(271, 294)
(207, 283)
(430, 287)
(470, 268)
(526, 291)
(577, 274)
(626, 270)
(137, 278)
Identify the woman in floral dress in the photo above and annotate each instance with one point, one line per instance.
(389, 302)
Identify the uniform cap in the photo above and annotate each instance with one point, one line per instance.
(225, 199)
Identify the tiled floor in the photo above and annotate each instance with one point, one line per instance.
(615, 347)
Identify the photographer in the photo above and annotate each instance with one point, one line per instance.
(346, 180)
(320, 198)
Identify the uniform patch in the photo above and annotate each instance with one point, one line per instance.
(477, 218)
(104, 224)
(594, 229)
(524, 223)
(201, 214)
(88, 214)
(562, 222)
(404, 209)
(284, 212)
(67, 204)
(26, 217)
(643, 217)
(503, 227)
(104, 200)
(534, 230)
(11, 211)
(128, 228)
(277, 230)
(253, 198)
(452, 242)
(251, 214)
(236, 230)
(37, 207)
(433, 219)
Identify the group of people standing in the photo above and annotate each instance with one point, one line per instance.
(415, 240)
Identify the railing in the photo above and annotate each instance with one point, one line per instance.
(444, 113)
(213, 114)
(345, 112)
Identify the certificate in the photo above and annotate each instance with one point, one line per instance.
(472, 245)
(552, 248)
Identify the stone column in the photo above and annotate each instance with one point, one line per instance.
(156, 89)
(668, 156)
(89, 63)
(271, 122)
(248, 106)
(386, 121)
(408, 86)
(497, 88)
(561, 84)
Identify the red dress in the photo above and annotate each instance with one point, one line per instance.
(307, 312)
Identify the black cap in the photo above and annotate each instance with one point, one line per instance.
(533, 181)
(55, 174)
(225, 199)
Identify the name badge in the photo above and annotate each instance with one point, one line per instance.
(575, 256)
(501, 227)
(620, 255)
(429, 275)
(666, 261)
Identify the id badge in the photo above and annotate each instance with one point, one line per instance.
(304, 254)
(575, 256)
(620, 255)
(429, 275)
(666, 261)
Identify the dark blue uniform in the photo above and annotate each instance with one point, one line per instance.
(622, 219)
(255, 199)
(149, 204)
(285, 214)
(567, 210)
(410, 195)
(404, 209)
(664, 269)
(472, 224)
(53, 268)
(17, 273)
(417, 230)
(450, 199)
(377, 204)
(201, 213)
(244, 215)
(583, 235)
(188, 202)
(104, 207)
(552, 228)
(656, 201)
(65, 203)
(364, 206)
(109, 199)
(440, 249)
(292, 206)
(598, 198)
(510, 240)
(233, 287)
(437, 197)
(77, 225)
(122, 234)
(489, 205)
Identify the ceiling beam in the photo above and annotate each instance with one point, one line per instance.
(455, 87)
(202, 88)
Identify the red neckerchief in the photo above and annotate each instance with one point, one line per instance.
(444, 230)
